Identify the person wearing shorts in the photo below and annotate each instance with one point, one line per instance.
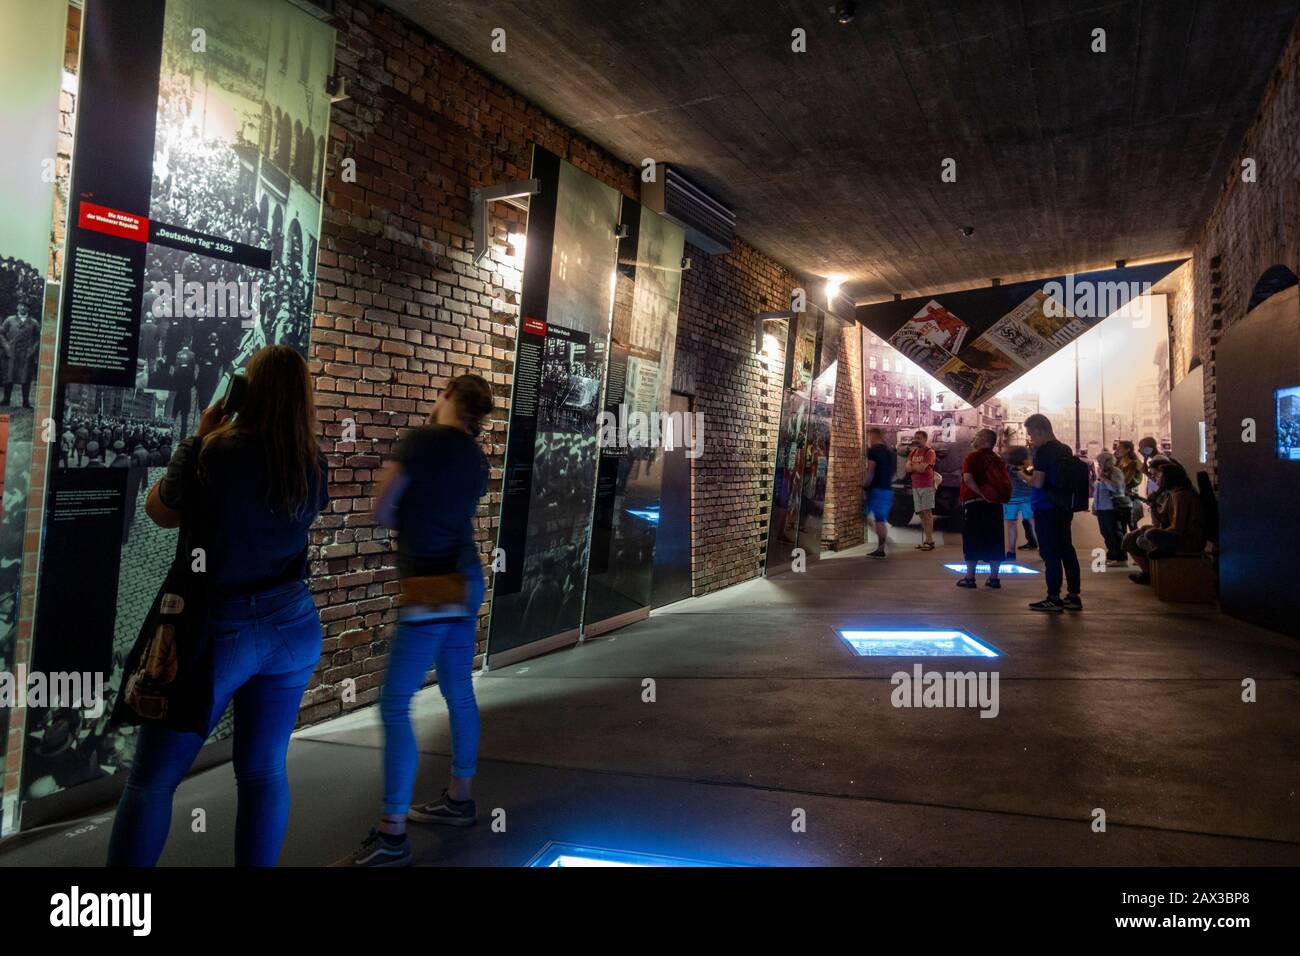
(879, 485)
(920, 465)
(1019, 507)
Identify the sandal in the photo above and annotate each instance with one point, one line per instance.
(966, 583)
(928, 546)
(991, 583)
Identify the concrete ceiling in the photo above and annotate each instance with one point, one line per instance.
(1066, 159)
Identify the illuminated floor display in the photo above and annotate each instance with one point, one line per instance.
(573, 855)
(888, 643)
(983, 568)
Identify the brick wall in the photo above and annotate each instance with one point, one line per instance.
(740, 396)
(1253, 226)
(842, 527)
(401, 307)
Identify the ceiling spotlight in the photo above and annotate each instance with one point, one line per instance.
(844, 11)
(967, 231)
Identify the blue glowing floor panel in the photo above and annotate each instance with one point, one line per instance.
(983, 568)
(574, 855)
(894, 643)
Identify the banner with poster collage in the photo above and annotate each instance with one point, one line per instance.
(192, 235)
(551, 453)
(31, 66)
(978, 342)
(637, 428)
(804, 437)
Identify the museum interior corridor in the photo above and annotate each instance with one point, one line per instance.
(761, 710)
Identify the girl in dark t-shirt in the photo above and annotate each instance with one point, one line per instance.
(428, 494)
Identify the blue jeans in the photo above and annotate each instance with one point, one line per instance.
(265, 648)
(447, 645)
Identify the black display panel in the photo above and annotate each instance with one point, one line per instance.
(551, 451)
(194, 217)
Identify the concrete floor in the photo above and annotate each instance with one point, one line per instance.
(1132, 706)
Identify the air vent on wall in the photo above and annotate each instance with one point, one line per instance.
(709, 225)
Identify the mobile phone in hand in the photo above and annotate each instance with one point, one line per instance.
(236, 391)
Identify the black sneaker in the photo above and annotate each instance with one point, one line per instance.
(1071, 602)
(878, 553)
(1053, 605)
(446, 811)
(1029, 547)
(378, 849)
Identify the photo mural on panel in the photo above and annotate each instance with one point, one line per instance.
(978, 342)
(31, 65)
(193, 228)
(636, 429)
(804, 437)
(551, 452)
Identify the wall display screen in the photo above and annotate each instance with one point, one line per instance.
(635, 429)
(192, 237)
(1287, 401)
(31, 63)
(978, 342)
(551, 452)
(803, 439)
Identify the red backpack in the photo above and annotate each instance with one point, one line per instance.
(998, 489)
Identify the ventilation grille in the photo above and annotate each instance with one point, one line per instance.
(709, 225)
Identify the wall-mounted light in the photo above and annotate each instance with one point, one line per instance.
(518, 243)
(833, 284)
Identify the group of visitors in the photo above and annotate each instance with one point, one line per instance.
(1041, 487)
(254, 482)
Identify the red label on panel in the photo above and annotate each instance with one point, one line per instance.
(535, 326)
(113, 221)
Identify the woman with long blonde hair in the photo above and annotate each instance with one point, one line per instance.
(261, 481)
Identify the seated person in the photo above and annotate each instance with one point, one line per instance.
(1179, 524)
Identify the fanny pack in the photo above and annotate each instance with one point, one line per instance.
(434, 596)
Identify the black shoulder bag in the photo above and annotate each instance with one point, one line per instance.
(168, 675)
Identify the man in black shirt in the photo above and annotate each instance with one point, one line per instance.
(1053, 513)
(878, 482)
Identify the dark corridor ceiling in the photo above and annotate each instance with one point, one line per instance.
(1066, 159)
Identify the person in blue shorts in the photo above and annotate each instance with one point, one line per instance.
(1018, 507)
(878, 485)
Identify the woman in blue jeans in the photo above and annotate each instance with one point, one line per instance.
(429, 493)
(263, 481)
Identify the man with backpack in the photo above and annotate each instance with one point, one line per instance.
(1058, 482)
(985, 488)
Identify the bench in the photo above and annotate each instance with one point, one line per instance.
(1184, 579)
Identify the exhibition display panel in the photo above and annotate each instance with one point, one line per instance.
(31, 64)
(551, 451)
(192, 237)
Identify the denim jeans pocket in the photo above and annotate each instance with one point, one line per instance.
(299, 639)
